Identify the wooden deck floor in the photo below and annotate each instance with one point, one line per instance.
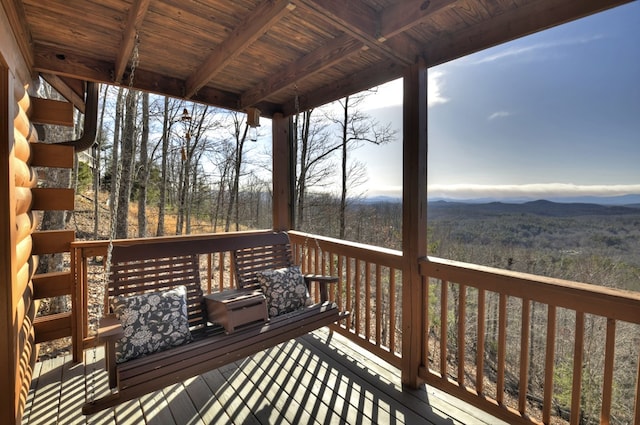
(321, 378)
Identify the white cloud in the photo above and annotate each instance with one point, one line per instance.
(535, 190)
(499, 114)
(515, 49)
(434, 89)
(390, 94)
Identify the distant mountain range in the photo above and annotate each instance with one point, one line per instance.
(632, 201)
(540, 207)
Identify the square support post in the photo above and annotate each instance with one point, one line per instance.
(414, 219)
(282, 173)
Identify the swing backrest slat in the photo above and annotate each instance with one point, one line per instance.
(134, 270)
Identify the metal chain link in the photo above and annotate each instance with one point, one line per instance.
(112, 234)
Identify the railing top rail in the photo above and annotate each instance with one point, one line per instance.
(374, 254)
(168, 239)
(587, 298)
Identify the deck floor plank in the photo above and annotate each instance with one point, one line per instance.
(72, 393)
(320, 378)
(28, 406)
(205, 401)
(47, 395)
(97, 385)
(234, 406)
(181, 406)
(156, 409)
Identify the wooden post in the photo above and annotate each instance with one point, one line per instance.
(414, 218)
(282, 180)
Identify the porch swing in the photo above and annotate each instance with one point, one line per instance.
(161, 329)
(163, 279)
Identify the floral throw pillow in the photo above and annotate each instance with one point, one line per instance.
(152, 322)
(284, 289)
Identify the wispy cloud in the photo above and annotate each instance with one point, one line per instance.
(434, 88)
(515, 51)
(499, 114)
(535, 190)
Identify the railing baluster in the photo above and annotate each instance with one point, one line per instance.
(462, 314)
(480, 342)
(427, 323)
(502, 347)
(209, 272)
(379, 305)
(232, 272)
(549, 363)
(524, 356)
(367, 295)
(350, 318)
(357, 288)
(340, 288)
(607, 384)
(576, 386)
(636, 408)
(392, 310)
(444, 294)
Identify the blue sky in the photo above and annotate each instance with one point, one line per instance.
(554, 113)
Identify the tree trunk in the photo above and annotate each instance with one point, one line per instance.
(343, 196)
(144, 169)
(163, 169)
(233, 196)
(115, 160)
(126, 178)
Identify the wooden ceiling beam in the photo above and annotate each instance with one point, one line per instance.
(405, 14)
(354, 83)
(135, 18)
(66, 64)
(249, 30)
(317, 61)
(65, 90)
(362, 22)
(14, 10)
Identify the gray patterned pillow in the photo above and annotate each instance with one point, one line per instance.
(284, 289)
(152, 322)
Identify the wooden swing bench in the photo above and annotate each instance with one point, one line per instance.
(160, 266)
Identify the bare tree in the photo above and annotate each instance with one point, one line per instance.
(356, 128)
(314, 153)
(240, 137)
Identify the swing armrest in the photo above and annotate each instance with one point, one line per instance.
(324, 282)
(110, 329)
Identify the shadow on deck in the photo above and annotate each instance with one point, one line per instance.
(321, 378)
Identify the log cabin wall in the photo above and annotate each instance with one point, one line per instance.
(17, 347)
(19, 197)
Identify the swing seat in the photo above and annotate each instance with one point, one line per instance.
(161, 267)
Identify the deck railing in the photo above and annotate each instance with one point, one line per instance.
(370, 288)
(522, 347)
(528, 348)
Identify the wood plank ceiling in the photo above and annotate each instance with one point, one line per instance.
(276, 55)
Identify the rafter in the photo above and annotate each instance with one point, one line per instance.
(354, 83)
(362, 22)
(406, 14)
(260, 20)
(135, 18)
(65, 90)
(337, 50)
